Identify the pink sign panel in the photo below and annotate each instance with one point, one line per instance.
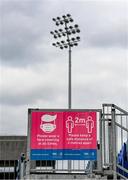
(63, 130)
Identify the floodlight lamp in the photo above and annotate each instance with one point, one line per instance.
(76, 44)
(54, 19)
(59, 35)
(71, 20)
(66, 20)
(66, 46)
(60, 30)
(56, 31)
(61, 22)
(68, 15)
(58, 18)
(78, 31)
(64, 34)
(61, 47)
(53, 44)
(55, 36)
(57, 23)
(52, 32)
(64, 16)
(68, 40)
(71, 45)
(70, 27)
(78, 38)
(66, 28)
(76, 25)
(69, 33)
(73, 39)
(62, 42)
(73, 31)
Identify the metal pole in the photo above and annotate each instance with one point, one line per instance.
(100, 154)
(69, 93)
(68, 43)
(70, 81)
(110, 143)
(104, 137)
(114, 143)
(28, 168)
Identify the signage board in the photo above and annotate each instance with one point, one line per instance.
(63, 135)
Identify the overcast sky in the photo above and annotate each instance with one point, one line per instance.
(34, 74)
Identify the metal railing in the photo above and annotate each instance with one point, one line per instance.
(8, 169)
(115, 134)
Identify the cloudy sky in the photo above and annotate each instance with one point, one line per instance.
(34, 74)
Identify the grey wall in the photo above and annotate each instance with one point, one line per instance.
(12, 146)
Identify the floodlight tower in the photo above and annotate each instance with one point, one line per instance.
(68, 41)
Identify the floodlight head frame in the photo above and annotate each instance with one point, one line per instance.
(65, 44)
(68, 31)
(62, 20)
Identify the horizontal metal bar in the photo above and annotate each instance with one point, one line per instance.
(107, 114)
(116, 114)
(103, 119)
(120, 109)
(7, 140)
(121, 175)
(104, 104)
(116, 107)
(125, 129)
(108, 164)
(122, 168)
(49, 170)
(65, 110)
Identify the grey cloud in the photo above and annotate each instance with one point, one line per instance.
(104, 39)
(19, 48)
(25, 37)
(26, 7)
(42, 93)
(105, 24)
(93, 94)
(16, 121)
(22, 35)
(99, 62)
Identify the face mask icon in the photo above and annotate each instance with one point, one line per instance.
(89, 124)
(48, 123)
(69, 124)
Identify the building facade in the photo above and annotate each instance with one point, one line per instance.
(11, 148)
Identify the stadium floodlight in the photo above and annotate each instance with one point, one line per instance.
(68, 42)
(67, 32)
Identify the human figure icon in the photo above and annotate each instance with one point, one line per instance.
(69, 124)
(89, 124)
